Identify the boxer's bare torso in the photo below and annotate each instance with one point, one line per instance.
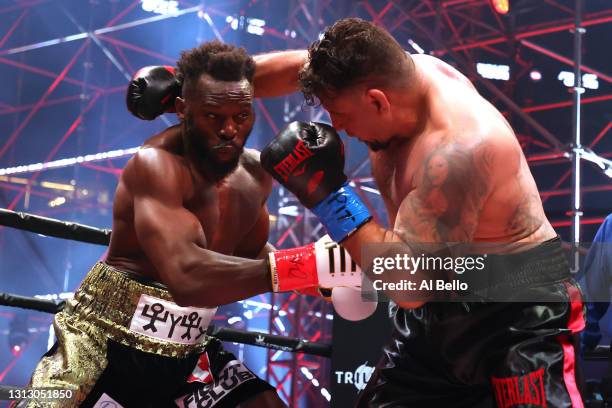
(465, 144)
(231, 214)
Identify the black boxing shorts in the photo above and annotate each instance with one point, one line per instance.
(123, 342)
(486, 354)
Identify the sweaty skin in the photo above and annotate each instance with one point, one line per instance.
(462, 177)
(178, 221)
(465, 166)
(452, 171)
(190, 205)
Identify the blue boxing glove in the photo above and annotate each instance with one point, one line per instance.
(308, 159)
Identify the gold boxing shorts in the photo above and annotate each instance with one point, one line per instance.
(123, 342)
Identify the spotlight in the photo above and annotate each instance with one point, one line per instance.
(501, 6)
(162, 7)
(589, 81)
(251, 25)
(535, 75)
(493, 71)
(18, 334)
(16, 350)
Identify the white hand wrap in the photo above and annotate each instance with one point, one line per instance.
(337, 270)
(335, 267)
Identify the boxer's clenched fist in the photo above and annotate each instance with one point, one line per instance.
(323, 264)
(308, 159)
(152, 91)
(326, 269)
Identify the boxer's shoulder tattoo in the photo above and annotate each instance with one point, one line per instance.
(451, 188)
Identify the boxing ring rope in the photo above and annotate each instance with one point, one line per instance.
(30, 303)
(92, 235)
(88, 234)
(222, 333)
(54, 228)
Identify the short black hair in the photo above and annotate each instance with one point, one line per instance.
(350, 51)
(224, 62)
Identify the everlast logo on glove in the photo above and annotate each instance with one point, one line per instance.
(308, 159)
(293, 160)
(520, 390)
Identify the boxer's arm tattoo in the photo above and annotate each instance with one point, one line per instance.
(452, 186)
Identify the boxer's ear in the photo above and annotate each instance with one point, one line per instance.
(179, 106)
(379, 100)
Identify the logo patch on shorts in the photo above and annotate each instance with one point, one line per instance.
(520, 390)
(201, 372)
(167, 321)
(208, 395)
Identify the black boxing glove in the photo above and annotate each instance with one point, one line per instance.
(308, 159)
(152, 91)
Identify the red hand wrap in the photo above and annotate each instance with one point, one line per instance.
(294, 268)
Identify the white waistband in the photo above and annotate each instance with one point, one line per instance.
(164, 320)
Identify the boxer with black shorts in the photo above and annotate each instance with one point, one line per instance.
(450, 170)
